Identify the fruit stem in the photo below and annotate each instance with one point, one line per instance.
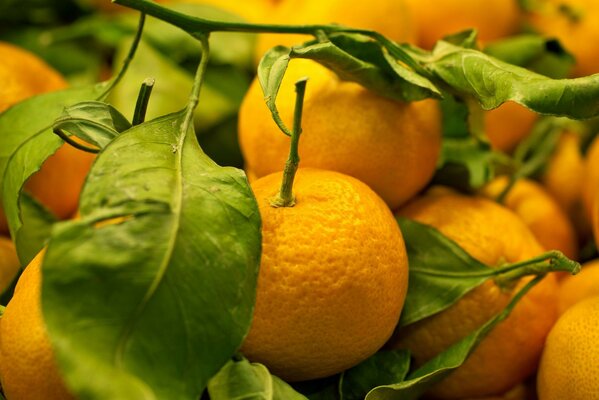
(547, 262)
(142, 101)
(285, 197)
(114, 81)
(194, 98)
(506, 190)
(66, 138)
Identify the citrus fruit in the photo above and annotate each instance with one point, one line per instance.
(575, 288)
(493, 19)
(28, 368)
(391, 146)
(493, 235)
(569, 367)
(9, 262)
(508, 124)
(590, 188)
(373, 15)
(539, 211)
(58, 183)
(333, 276)
(564, 175)
(520, 392)
(573, 22)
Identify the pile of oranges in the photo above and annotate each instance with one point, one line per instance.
(334, 271)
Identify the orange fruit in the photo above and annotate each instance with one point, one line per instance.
(493, 19)
(391, 146)
(321, 309)
(508, 124)
(564, 174)
(28, 367)
(9, 262)
(540, 212)
(573, 22)
(372, 15)
(590, 188)
(520, 392)
(575, 288)
(570, 365)
(58, 183)
(493, 235)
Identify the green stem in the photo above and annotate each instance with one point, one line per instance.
(194, 98)
(73, 143)
(114, 81)
(201, 25)
(285, 198)
(143, 98)
(506, 190)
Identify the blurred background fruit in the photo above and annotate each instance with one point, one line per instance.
(493, 19)
(58, 183)
(9, 263)
(508, 124)
(575, 288)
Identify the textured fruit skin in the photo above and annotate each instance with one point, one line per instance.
(333, 276)
(28, 369)
(58, 183)
(393, 147)
(540, 212)
(493, 235)
(570, 364)
(576, 288)
(493, 19)
(579, 35)
(9, 263)
(508, 124)
(373, 15)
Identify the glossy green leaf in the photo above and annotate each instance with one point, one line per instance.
(92, 121)
(37, 225)
(493, 82)
(27, 141)
(152, 290)
(383, 368)
(240, 379)
(422, 379)
(271, 71)
(222, 90)
(439, 271)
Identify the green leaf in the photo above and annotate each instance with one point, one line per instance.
(92, 121)
(241, 379)
(493, 82)
(439, 271)
(383, 368)
(222, 91)
(419, 381)
(535, 52)
(27, 141)
(152, 290)
(37, 225)
(271, 71)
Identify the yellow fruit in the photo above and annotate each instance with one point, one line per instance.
(58, 183)
(590, 187)
(9, 263)
(392, 18)
(564, 175)
(493, 235)
(333, 276)
(540, 212)
(493, 19)
(570, 365)
(575, 288)
(28, 368)
(574, 23)
(508, 124)
(393, 147)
